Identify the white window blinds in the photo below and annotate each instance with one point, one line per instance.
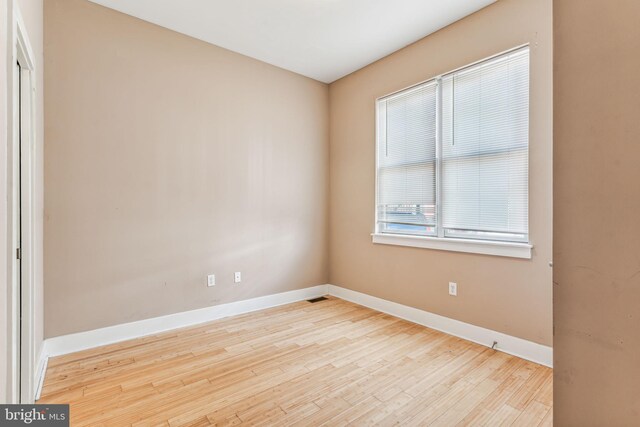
(485, 147)
(407, 161)
(477, 122)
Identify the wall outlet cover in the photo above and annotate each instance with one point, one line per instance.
(453, 289)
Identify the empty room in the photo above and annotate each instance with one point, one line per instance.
(320, 212)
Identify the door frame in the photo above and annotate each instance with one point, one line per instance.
(21, 126)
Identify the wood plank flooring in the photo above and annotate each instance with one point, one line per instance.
(328, 363)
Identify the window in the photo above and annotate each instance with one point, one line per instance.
(453, 156)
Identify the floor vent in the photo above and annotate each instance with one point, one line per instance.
(317, 299)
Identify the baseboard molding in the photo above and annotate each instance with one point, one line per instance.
(519, 347)
(65, 344)
(72, 343)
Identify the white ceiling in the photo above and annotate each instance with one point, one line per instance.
(321, 39)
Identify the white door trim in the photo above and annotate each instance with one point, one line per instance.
(12, 280)
(22, 383)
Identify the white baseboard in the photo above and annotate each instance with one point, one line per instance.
(98, 337)
(519, 347)
(524, 349)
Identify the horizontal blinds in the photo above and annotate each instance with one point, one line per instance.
(407, 160)
(485, 139)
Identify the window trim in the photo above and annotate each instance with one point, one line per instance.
(440, 241)
(484, 247)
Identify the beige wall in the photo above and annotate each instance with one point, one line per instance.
(167, 159)
(32, 15)
(596, 213)
(508, 295)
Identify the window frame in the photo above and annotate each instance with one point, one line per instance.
(441, 240)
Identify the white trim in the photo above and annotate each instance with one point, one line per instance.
(485, 247)
(42, 370)
(519, 347)
(21, 338)
(438, 174)
(22, 41)
(98, 337)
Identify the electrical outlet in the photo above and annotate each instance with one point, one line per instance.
(453, 289)
(237, 277)
(211, 280)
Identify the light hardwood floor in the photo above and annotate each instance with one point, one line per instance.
(331, 362)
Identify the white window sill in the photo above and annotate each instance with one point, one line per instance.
(485, 247)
